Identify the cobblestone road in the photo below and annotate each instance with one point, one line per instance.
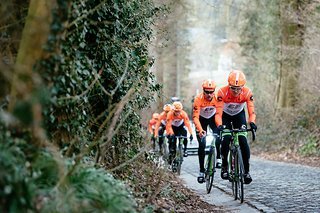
(276, 186)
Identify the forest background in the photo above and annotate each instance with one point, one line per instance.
(80, 79)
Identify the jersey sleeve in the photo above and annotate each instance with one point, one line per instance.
(219, 108)
(196, 114)
(169, 129)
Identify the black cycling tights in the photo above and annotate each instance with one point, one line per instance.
(245, 150)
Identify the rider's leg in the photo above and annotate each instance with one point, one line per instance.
(245, 151)
(153, 139)
(218, 145)
(185, 140)
(225, 149)
(181, 131)
(161, 132)
(201, 152)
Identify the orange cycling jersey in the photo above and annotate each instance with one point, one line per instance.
(162, 120)
(233, 105)
(177, 120)
(152, 124)
(204, 108)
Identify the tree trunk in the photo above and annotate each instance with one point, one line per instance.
(290, 61)
(25, 82)
(34, 36)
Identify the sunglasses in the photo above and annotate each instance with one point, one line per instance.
(235, 88)
(208, 92)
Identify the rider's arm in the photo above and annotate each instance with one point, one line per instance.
(187, 121)
(156, 129)
(219, 108)
(250, 107)
(169, 129)
(196, 114)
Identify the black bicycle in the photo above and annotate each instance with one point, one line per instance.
(178, 158)
(210, 165)
(164, 148)
(235, 161)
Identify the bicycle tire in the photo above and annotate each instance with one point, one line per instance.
(179, 158)
(234, 176)
(165, 150)
(210, 169)
(231, 171)
(240, 176)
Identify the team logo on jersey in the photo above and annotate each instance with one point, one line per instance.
(251, 98)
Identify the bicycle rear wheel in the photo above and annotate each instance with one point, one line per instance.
(210, 169)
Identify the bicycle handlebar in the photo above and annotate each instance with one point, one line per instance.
(181, 136)
(242, 130)
(210, 134)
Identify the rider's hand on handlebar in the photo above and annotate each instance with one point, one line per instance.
(170, 136)
(253, 126)
(202, 133)
(221, 127)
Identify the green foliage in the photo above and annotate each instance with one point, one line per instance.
(16, 190)
(29, 177)
(311, 147)
(97, 51)
(90, 190)
(102, 55)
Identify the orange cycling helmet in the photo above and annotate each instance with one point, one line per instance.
(167, 107)
(177, 106)
(209, 84)
(155, 115)
(236, 78)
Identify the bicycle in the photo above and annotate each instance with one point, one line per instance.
(235, 161)
(210, 165)
(178, 158)
(164, 149)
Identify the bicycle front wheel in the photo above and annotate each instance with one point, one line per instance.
(233, 176)
(165, 150)
(240, 175)
(210, 169)
(179, 159)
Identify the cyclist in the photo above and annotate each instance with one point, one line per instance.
(161, 124)
(151, 128)
(204, 109)
(177, 119)
(230, 109)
